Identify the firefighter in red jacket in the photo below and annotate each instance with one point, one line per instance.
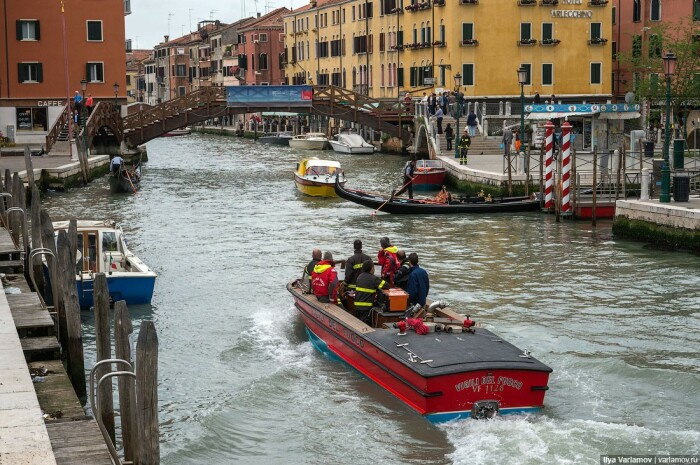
(387, 260)
(324, 280)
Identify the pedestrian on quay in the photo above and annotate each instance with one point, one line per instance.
(472, 123)
(506, 141)
(464, 144)
(408, 177)
(449, 135)
(438, 116)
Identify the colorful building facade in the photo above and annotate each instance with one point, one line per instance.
(261, 50)
(37, 79)
(388, 48)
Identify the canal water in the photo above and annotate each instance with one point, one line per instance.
(220, 221)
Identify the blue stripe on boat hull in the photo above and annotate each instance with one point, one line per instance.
(135, 290)
(322, 347)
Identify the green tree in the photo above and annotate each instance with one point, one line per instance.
(646, 64)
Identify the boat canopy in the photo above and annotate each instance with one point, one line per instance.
(423, 163)
(317, 162)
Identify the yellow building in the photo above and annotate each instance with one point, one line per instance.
(388, 48)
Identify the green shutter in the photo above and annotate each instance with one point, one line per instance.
(696, 10)
(21, 72)
(595, 31)
(39, 73)
(547, 74)
(100, 73)
(37, 30)
(399, 38)
(19, 30)
(468, 74)
(399, 77)
(412, 77)
(467, 31)
(547, 31)
(87, 72)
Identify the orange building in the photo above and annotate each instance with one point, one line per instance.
(44, 62)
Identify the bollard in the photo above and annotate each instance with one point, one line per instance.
(644, 195)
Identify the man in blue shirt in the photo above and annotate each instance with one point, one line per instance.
(418, 282)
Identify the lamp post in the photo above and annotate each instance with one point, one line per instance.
(522, 79)
(115, 88)
(669, 70)
(458, 111)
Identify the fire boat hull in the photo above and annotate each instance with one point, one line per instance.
(453, 385)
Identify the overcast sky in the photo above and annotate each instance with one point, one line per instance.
(150, 20)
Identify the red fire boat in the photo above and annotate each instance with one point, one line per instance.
(456, 370)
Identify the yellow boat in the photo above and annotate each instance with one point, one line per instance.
(317, 177)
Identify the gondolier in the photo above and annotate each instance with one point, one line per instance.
(116, 164)
(408, 177)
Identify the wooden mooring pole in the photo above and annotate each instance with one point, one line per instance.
(47, 237)
(71, 306)
(103, 351)
(147, 396)
(595, 184)
(127, 404)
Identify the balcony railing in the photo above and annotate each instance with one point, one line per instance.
(468, 43)
(550, 42)
(527, 42)
(418, 6)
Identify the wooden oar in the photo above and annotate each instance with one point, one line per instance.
(374, 213)
(129, 178)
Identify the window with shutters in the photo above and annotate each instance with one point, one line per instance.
(596, 73)
(696, 10)
(382, 44)
(262, 37)
(525, 31)
(94, 31)
(30, 72)
(614, 51)
(468, 74)
(528, 68)
(637, 46)
(547, 74)
(94, 72)
(399, 77)
(467, 31)
(655, 46)
(547, 32)
(28, 29)
(596, 29)
(636, 10)
(181, 70)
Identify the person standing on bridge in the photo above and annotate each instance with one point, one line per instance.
(438, 115)
(449, 135)
(89, 104)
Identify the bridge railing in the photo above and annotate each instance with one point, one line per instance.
(160, 113)
(338, 96)
(103, 114)
(57, 127)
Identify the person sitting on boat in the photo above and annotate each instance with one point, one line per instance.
(401, 276)
(324, 280)
(418, 282)
(366, 291)
(408, 177)
(443, 196)
(116, 164)
(315, 258)
(387, 260)
(353, 265)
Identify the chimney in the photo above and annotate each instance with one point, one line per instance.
(167, 38)
(258, 14)
(313, 3)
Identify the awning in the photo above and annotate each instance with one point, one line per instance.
(620, 115)
(553, 115)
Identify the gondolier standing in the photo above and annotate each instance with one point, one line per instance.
(464, 142)
(408, 177)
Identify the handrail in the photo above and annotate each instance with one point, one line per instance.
(57, 127)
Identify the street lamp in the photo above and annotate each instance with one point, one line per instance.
(522, 79)
(458, 111)
(669, 70)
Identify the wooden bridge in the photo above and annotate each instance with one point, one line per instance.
(388, 116)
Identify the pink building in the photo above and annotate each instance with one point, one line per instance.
(262, 45)
(634, 22)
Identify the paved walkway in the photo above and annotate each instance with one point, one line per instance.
(23, 436)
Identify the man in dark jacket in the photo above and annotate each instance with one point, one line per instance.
(401, 276)
(408, 176)
(418, 282)
(353, 265)
(366, 290)
(464, 142)
(315, 258)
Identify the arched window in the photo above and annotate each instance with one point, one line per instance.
(345, 83)
(354, 76)
(369, 77)
(262, 61)
(381, 76)
(637, 11)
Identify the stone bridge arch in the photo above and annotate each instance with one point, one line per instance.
(420, 144)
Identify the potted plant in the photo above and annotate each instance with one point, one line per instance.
(598, 2)
(528, 41)
(550, 41)
(470, 42)
(550, 2)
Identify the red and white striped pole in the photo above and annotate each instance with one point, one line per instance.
(548, 157)
(565, 167)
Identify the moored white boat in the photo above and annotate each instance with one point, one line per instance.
(102, 249)
(317, 177)
(351, 143)
(280, 138)
(177, 132)
(309, 141)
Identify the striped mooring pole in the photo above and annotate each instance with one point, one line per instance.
(549, 156)
(565, 168)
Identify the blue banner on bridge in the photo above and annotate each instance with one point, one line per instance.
(269, 96)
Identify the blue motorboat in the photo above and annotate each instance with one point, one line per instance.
(101, 248)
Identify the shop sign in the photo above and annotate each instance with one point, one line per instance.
(583, 14)
(49, 103)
